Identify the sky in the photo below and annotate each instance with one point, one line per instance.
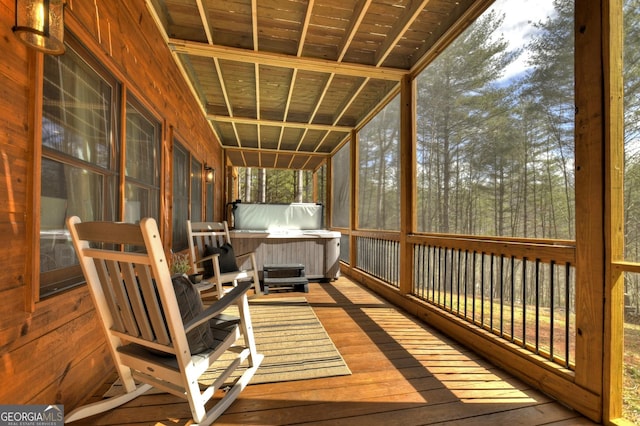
(518, 25)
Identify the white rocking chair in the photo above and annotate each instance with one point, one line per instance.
(157, 333)
(210, 237)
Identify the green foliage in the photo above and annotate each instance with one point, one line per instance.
(631, 383)
(495, 155)
(180, 263)
(275, 185)
(379, 168)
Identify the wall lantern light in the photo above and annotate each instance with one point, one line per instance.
(40, 25)
(209, 173)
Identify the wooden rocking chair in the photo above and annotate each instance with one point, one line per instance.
(158, 332)
(212, 255)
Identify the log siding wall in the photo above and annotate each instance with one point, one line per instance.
(53, 350)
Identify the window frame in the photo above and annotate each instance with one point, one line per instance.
(179, 240)
(149, 187)
(193, 174)
(196, 188)
(58, 280)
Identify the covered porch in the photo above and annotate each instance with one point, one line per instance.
(436, 327)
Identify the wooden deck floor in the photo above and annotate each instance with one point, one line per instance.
(404, 373)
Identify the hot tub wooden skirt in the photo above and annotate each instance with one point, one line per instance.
(319, 251)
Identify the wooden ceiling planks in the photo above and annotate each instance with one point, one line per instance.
(240, 83)
(270, 137)
(275, 83)
(271, 73)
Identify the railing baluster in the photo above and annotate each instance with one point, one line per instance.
(482, 290)
(513, 297)
(524, 302)
(501, 307)
(457, 310)
(491, 289)
(473, 298)
(537, 331)
(567, 310)
(552, 303)
(435, 272)
(446, 278)
(466, 280)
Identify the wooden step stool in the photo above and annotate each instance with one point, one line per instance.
(286, 276)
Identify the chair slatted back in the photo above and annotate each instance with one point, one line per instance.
(128, 287)
(205, 234)
(132, 297)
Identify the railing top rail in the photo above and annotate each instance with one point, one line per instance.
(381, 235)
(558, 251)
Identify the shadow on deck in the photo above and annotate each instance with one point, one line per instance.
(404, 373)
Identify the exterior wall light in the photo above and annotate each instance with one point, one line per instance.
(40, 25)
(209, 173)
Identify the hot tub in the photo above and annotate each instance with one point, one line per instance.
(281, 234)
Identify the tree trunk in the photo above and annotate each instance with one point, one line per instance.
(262, 186)
(247, 185)
(298, 188)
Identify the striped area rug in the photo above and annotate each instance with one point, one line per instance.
(294, 343)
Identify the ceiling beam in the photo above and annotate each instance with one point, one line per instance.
(411, 13)
(285, 61)
(275, 151)
(359, 12)
(276, 123)
(205, 22)
(305, 28)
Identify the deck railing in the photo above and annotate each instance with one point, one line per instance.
(379, 255)
(521, 291)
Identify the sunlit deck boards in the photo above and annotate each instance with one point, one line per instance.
(403, 373)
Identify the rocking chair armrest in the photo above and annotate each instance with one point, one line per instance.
(244, 255)
(219, 306)
(210, 257)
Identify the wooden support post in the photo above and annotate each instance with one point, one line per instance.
(613, 47)
(592, 76)
(328, 211)
(353, 222)
(407, 181)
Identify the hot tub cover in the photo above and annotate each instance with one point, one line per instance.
(277, 216)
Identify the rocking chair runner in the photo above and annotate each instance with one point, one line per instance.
(213, 256)
(156, 336)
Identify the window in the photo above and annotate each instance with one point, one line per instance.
(142, 182)
(180, 196)
(187, 191)
(209, 202)
(82, 168)
(79, 159)
(196, 190)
